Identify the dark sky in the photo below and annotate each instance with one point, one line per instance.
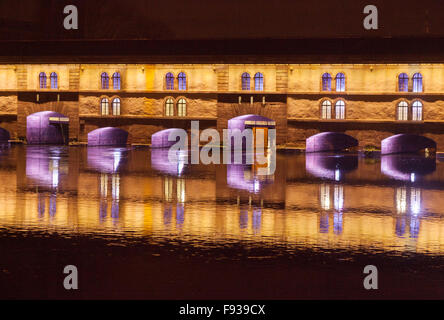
(223, 19)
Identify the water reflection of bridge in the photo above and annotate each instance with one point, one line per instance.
(125, 191)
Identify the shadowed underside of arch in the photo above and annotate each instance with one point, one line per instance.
(47, 127)
(330, 141)
(4, 135)
(160, 138)
(407, 143)
(108, 136)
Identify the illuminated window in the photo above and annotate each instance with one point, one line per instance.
(169, 81)
(169, 107)
(340, 82)
(116, 107)
(417, 111)
(182, 107)
(326, 109)
(105, 80)
(246, 81)
(182, 81)
(403, 111)
(340, 109)
(116, 81)
(259, 82)
(403, 82)
(53, 78)
(326, 82)
(417, 82)
(104, 107)
(42, 80)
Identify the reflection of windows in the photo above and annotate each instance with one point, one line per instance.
(324, 197)
(340, 82)
(339, 197)
(340, 109)
(403, 82)
(415, 200)
(403, 111)
(168, 188)
(417, 111)
(326, 109)
(180, 190)
(53, 77)
(104, 185)
(115, 186)
(246, 81)
(326, 82)
(401, 200)
(417, 82)
(182, 107)
(169, 107)
(104, 106)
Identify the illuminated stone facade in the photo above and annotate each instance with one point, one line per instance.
(291, 94)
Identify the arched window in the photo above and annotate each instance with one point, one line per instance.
(417, 111)
(116, 107)
(245, 81)
(326, 109)
(326, 82)
(259, 82)
(104, 107)
(417, 82)
(403, 82)
(105, 80)
(169, 107)
(340, 109)
(340, 82)
(169, 78)
(42, 80)
(403, 111)
(116, 81)
(182, 81)
(53, 78)
(182, 107)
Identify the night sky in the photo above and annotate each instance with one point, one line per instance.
(223, 19)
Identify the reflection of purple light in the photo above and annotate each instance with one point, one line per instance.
(105, 159)
(257, 217)
(43, 166)
(414, 227)
(242, 177)
(323, 222)
(400, 226)
(330, 167)
(407, 168)
(180, 214)
(243, 219)
(161, 162)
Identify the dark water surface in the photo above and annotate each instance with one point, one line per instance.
(137, 226)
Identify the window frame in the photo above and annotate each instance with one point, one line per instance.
(323, 103)
(343, 109)
(169, 77)
(42, 76)
(118, 76)
(182, 84)
(326, 77)
(398, 108)
(166, 102)
(340, 76)
(420, 107)
(104, 101)
(53, 75)
(245, 81)
(259, 76)
(405, 79)
(417, 78)
(178, 106)
(116, 101)
(104, 76)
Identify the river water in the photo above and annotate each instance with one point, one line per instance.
(137, 226)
